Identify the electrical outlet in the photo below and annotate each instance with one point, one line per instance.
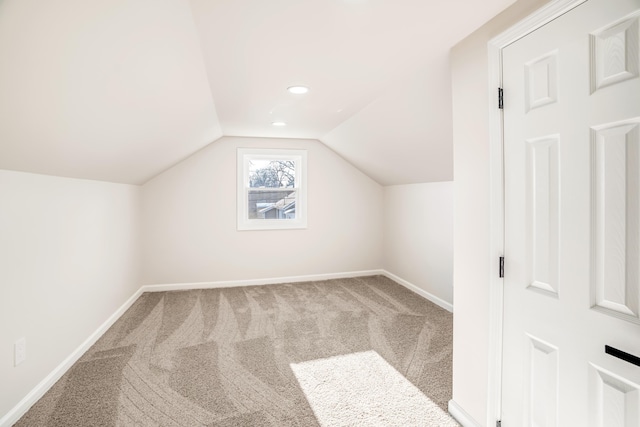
(20, 351)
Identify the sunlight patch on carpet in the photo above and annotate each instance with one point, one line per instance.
(362, 389)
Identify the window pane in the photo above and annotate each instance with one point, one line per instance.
(272, 204)
(272, 173)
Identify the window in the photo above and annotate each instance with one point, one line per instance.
(271, 189)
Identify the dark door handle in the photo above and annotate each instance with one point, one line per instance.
(635, 360)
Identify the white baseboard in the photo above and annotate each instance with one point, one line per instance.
(295, 279)
(461, 415)
(39, 390)
(257, 282)
(434, 299)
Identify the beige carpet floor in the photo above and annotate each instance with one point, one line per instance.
(362, 352)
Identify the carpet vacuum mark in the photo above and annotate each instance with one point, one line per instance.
(346, 352)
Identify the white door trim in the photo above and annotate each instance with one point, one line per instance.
(542, 16)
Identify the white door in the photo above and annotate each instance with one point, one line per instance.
(572, 220)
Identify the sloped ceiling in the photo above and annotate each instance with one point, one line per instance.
(119, 90)
(112, 90)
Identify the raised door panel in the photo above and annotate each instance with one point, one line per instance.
(616, 219)
(542, 213)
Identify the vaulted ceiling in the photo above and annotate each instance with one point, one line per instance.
(120, 90)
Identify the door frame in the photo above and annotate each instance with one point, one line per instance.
(542, 16)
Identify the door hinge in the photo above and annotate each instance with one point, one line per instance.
(500, 99)
(498, 423)
(501, 266)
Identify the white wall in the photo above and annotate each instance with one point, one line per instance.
(68, 259)
(189, 220)
(418, 236)
(469, 68)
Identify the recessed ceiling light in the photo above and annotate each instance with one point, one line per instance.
(279, 124)
(298, 90)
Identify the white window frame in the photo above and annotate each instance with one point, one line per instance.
(244, 157)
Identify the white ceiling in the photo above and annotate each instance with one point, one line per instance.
(119, 90)
(112, 90)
